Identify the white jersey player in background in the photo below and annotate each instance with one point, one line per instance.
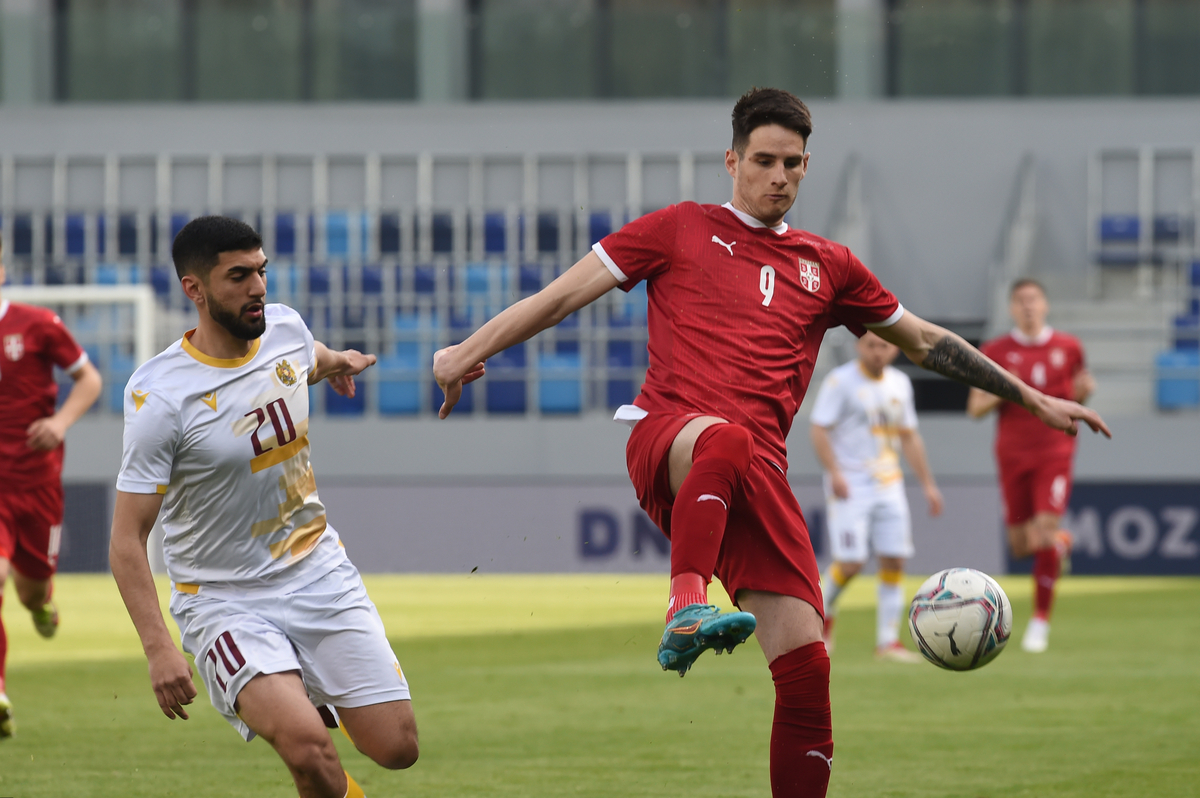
(277, 618)
(863, 409)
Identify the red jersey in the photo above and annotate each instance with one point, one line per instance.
(1048, 363)
(737, 312)
(34, 341)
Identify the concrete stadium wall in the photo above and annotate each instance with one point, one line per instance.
(937, 174)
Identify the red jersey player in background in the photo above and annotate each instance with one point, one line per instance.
(1034, 462)
(739, 303)
(31, 455)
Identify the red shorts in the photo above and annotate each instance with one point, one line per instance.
(1031, 487)
(766, 545)
(31, 528)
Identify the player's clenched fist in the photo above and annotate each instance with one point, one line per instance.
(451, 377)
(171, 678)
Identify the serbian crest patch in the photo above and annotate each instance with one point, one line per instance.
(14, 346)
(810, 275)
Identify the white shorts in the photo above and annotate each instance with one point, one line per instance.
(871, 515)
(327, 630)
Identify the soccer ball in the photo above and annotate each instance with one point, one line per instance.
(960, 619)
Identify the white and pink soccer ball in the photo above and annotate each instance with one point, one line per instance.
(960, 619)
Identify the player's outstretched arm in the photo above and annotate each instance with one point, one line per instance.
(580, 285)
(339, 368)
(937, 349)
(170, 673)
(47, 433)
(913, 446)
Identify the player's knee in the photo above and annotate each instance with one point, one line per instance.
(731, 442)
(850, 569)
(307, 752)
(400, 752)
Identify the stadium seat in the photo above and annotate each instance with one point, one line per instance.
(560, 389)
(338, 405)
(285, 234)
(22, 234)
(399, 381)
(389, 233)
(119, 369)
(1178, 379)
(531, 278)
(599, 225)
(178, 221)
(507, 379)
(318, 280)
(337, 234)
(1119, 228)
(76, 236)
(547, 232)
(619, 390)
(443, 232)
(127, 234)
(494, 233)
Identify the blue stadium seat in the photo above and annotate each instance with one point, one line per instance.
(1178, 379)
(372, 279)
(120, 369)
(400, 381)
(506, 386)
(560, 389)
(389, 233)
(126, 234)
(619, 390)
(318, 280)
(1119, 228)
(76, 235)
(1187, 330)
(443, 232)
(1170, 227)
(178, 221)
(547, 232)
(478, 278)
(531, 279)
(285, 234)
(599, 225)
(337, 234)
(22, 234)
(107, 274)
(494, 234)
(337, 405)
(424, 279)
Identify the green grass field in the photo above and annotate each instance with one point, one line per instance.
(547, 686)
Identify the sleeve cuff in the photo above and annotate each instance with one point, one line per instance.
(74, 368)
(889, 321)
(610, 263)
(138, 486)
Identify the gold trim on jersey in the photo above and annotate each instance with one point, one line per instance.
(295, 494)
(187, 587)
(277, 456)
(301, 540)
(161, 490)
(210, 399)
(219, 362)
(139, 399)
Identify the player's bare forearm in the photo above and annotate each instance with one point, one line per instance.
(913, 446)
(582, 284)
(332, 363)
(133, 518)
(980, 403)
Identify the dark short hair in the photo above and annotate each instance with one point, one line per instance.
(759, 107)
(1025, 282)
(199, 245)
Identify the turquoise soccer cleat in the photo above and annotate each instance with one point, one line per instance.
(697, 628)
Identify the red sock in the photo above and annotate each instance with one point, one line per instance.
(3, 643)
(802, 735)
(720, 458)
(1046, 564)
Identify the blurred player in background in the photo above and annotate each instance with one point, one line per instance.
(275, 614)
(739, 303)
(1035, 464)
(31, 458)
(863, 409)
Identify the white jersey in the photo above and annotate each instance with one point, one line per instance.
(864, 417)
(226, 441)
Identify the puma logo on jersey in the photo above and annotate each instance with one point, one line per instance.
(729, 247)
(210, 399)
(139, 399)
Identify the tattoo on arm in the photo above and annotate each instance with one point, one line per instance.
(952, 359)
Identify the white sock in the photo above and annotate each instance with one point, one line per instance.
(887, 614)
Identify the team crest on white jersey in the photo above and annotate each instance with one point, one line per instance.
(283, 370)
(14, 346)
(1058, 358)
(810, 275)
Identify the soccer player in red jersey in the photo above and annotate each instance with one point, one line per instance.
(31, 456)
(739, 303)
(1034, 462)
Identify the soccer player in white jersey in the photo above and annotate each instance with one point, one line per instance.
(277, 618)
(863, 409)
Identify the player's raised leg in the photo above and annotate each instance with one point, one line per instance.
(789, 632)
(387, 732)
(276, 707)
(707, 461)
(36, 595)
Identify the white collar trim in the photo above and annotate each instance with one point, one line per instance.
(750, 221)
(1041, 339)
(3, 307)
